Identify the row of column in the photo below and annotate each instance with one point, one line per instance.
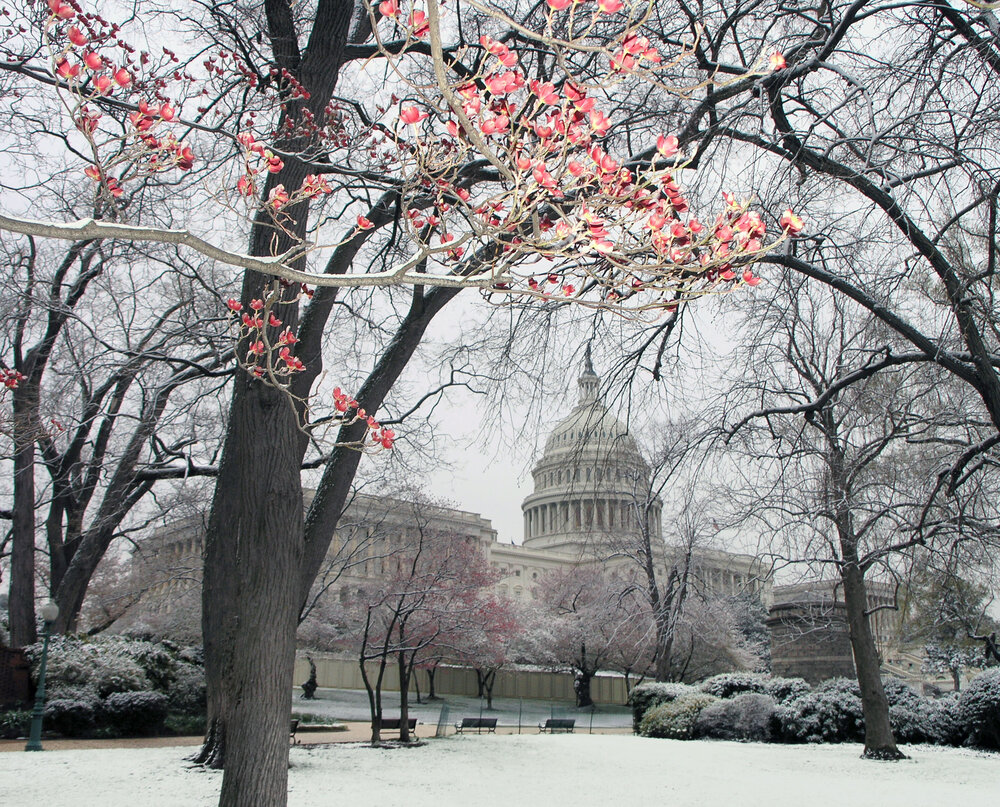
(587, 514)
(724, 583)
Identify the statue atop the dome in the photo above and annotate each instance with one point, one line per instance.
(589, 381)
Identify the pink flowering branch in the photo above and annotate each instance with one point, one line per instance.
(485, 160)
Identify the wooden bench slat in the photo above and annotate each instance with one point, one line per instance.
(394, 724)
(554, 724)
(478, 723)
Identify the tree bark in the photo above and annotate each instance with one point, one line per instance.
(431, 672)
(254, 542)
(404, 696)
(250, 602)
(21, 602)
(488, 682)
(879, 742)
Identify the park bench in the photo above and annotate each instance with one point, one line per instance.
(477, 723)
(394, 724)
(291, 732)
(554, 724)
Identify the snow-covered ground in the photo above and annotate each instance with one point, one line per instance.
(558, 770)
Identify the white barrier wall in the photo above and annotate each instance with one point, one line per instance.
(341, 673)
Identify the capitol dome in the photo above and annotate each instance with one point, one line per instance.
(591, 481)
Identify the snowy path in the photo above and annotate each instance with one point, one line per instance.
(563, 770)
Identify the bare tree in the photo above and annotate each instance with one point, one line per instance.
(846, 487)
(97, 366)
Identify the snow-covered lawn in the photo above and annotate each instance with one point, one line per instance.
(576, 770)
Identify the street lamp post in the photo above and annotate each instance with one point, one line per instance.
(50, 611)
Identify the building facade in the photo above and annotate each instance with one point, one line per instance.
(590, 503)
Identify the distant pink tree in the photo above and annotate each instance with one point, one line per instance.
(584, 620)
(431, 596)
(485, 642)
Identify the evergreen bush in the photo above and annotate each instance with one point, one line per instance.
(111, 686)
(645, 696)
(14, 724)
(134, 713)
(947, 727)
(187, 690)
(729, 685)
(979, 709)
(71, 717)
(115, 672)
(747, 717)
(675, 720)
(826, 715)
(899, 693)
(184, 725)
(784, 690)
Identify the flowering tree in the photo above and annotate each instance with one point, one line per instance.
(583, 618)
(354, 146)
(485, 642)
(433, 597)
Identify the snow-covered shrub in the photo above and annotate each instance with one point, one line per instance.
(947, 727)
(899, 693)
(979, 708)
(912, 716)
(69, 664)
(136, 712)
(58, 690)
(101, 665)
(914, 722)
(157, 661)
(848, 686)
(728, 685)
(749, 716)
(826, 715)
(645, 696)
(675, 720)
(94, 671)
(784, 690)
(71, 718)
(187, 689)
(115, 672)
(14, 724)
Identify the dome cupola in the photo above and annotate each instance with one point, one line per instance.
(589, 480)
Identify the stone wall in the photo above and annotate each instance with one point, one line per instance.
(809, 639)
(341, 673)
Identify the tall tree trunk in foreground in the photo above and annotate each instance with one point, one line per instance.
(21, 603)
(879, 742)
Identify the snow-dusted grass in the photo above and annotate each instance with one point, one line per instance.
(527, 769)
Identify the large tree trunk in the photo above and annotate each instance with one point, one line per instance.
(664, 650)
(879, 742)
(404, 697)
(431, 694)
(21, 602)
(488, 682)
(250, 601)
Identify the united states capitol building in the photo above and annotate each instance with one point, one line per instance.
(590, 500)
